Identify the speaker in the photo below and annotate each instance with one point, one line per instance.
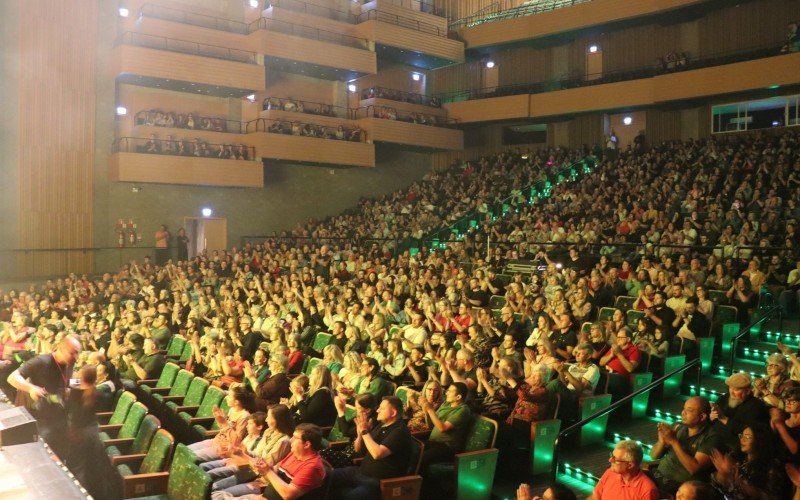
(17, 426)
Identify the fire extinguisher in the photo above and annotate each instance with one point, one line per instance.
(120, 238)
(131, 236)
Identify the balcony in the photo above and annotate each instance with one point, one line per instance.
(313, 52)
(411, 37)
(547, 19)
(285, 141)
(696, 81)
(416, 132)
(186, 66)
(184, 162)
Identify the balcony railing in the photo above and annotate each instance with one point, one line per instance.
(402, 21)
(390, 113)
(427, 8)
(187, 121)
(307, 32)
(494, 12)
(306, 107)
(183, 147)
(314, 10)
(185, 47)
(401, 96)
(649, 71)
(185, 17)
(303, 129)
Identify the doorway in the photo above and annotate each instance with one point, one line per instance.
(206, 234)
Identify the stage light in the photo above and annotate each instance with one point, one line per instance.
(206, 212)
(123, 12)
(490, 64)
(122, 111)
(415, 76)
(351, 87)
(627, 120)
(593, 49)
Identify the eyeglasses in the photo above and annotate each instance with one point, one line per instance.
(746, 437)
(615, 460)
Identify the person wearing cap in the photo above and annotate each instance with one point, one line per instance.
(739, 409)
(685, 449)
(770, 388)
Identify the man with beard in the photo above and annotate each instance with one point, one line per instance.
(738, 409)
(660, 314)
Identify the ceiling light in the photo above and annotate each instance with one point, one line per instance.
(627, 120)
(593, 49)
(490, 64)
(351, 87)
(415, 76)
(122, 111)
(123, 12)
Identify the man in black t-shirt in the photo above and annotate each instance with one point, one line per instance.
(45, 379)
(476, 296)
(386, 449)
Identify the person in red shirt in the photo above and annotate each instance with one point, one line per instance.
(624, 480)
(301, 471)
(621, 360)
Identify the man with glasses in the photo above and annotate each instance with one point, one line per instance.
(624, 480)
(686, 448)
(620, 361)
(787, 427)
(449, 425)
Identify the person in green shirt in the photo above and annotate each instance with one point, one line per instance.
(449, 426)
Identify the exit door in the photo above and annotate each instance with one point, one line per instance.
(206, 234)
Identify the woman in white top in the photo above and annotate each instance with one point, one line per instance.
(232, 427)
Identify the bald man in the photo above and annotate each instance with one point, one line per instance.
(45, 379)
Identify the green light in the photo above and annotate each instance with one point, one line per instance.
(773, 87)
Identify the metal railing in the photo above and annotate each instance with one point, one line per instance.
(185, 47)
(308, 107)
(305, 129)
(149, 118)
(709, 60)
(186, 17)
(417, 5)
(391, 113)
(183, 147)
(695, 363)
(402, 21)
(755, 323)
(309, 32)
(495, 13)
(314, 10)
(400, 95)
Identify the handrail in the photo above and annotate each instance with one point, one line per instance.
(715, 59)
(402, 21)
(185, 47)
(278, 103)
(183, 147)
(218, 123)
(305, 129)
(274, 25)
(744, 331)
(314, 10)
(376, 92)
(186, 17)
(530, 8)
(424, 7)
(614, 406)
(391, 113)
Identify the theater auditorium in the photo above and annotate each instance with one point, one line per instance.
(400, 249)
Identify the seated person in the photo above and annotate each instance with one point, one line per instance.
(232, 427)
(371, 381)
(624, 477)
(386, 448)
(689, 326)
(432, 392)
(148, 366)
(449, 425)
(685, 449)
(276, 387)
(770, 389)
(620, 361)
(576, 380)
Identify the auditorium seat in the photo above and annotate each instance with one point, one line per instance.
(605, 313)
(202, 412)
(184, 481)
(178, 389)
(204, 430)
(321, 340)
(139, 444)
(194, 395)
(310, 364)
(116, 417)
(149, 467)
(624, 302)
(129, 428)
(175, 348)
(164, 381)
(406, 487)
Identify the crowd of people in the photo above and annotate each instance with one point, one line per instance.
(296, 106)
(158, 118)
(398, 95)
(389, 113)
(188, 147)
(340, 133)
(664, 226)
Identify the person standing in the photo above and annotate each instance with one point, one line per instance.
(183, 245)
(162, 245)
(45, 380)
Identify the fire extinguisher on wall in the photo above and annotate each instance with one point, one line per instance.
(131, 236)
(120, 238)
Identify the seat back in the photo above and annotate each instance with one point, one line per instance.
(182, 456)
(148, 428)
(186, 353)
(402, 392)
(481, 434)
(588, 406)
(624, 302)
(158, 453)
(181, 385)
(312, 362)
(124, 403)
(321, 340)
(175, 348)
(188, 482)
(718, 297)
(133, 421)
(605, 313)
(415, 457)
(321, 493)
(632, 316)
(168, 375)
(212, 398)
(197, 389)
(497, 301)
(336, 434)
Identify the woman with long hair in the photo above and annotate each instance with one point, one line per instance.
(232, 427)
(318, 407)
